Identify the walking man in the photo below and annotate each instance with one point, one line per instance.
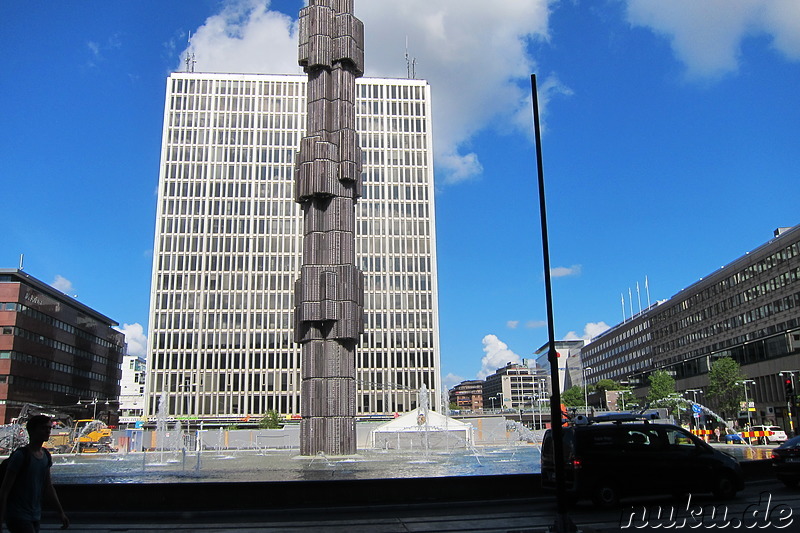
(27, 481)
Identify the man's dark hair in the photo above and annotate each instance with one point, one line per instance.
(37, 420)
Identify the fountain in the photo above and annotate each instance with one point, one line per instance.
(392, 450)
(12, 436)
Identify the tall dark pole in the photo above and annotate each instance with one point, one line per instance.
(562, 523)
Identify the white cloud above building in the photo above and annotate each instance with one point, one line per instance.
(496, 355)
(135, 338)
(474, 53)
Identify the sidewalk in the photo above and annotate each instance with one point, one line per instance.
(519, 516)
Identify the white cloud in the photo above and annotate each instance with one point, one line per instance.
(497, 355)
(245, 37)
(64, 285)
(563, 272)
(136, 339)
(707, 36)
(94, 48)
(512, 324)
(590, 331)
(451, 380)
(474, 53)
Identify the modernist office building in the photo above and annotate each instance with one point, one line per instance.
(515, 386)
(748, 310)
(571, 371)
(228, 247)
(54, 351)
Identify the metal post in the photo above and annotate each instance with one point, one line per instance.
(747, 402)
(586, 389)
(562, 523)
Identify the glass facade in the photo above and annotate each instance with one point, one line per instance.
(228, 247)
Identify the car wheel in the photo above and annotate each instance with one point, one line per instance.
(790, 482)
(724, 487)
(605, 495)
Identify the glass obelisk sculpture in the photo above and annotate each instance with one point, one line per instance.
(329, 296)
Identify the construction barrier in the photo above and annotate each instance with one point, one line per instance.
(704, 434)
(756, 434)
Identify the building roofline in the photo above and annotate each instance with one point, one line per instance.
(244, 75)
(711, 278)
(56, 294)
(723, 270)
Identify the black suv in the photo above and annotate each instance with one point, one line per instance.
(607, 460)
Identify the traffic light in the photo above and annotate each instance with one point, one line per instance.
(788, 386)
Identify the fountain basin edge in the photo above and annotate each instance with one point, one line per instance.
(138, 499)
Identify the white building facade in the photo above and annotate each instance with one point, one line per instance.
(228, 248)
(132, 387)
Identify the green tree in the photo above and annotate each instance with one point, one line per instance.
(725, 388)
(271, 420)
(606, 385)
(662, 387)
(573, 397)
(663, 394)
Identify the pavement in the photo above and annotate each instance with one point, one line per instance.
(764, 505)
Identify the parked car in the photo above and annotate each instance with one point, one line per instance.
(733, 438)
(606, 461)
(778, 435)
(786, 462)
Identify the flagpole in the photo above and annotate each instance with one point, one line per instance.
(622, 297)
(630, 301)
(639, 297)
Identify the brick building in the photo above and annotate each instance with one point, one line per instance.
(54, 351)
(468, 395)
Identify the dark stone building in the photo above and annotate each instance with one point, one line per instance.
(748, 310)
(54, 351)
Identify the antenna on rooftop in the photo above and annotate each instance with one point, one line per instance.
(21, 260)
(190, 60)
(411, 63)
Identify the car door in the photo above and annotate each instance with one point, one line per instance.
(642, 446)
(688, 464)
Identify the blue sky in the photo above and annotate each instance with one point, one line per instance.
(670, 145)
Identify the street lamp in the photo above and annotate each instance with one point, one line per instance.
(492, 397)
(586, 388)
(746, 401)
(539, 396)
(92, 402)
(695, 414)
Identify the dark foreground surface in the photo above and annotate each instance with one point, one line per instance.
(476, 504)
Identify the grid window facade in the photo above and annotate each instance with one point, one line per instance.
(228, 247)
